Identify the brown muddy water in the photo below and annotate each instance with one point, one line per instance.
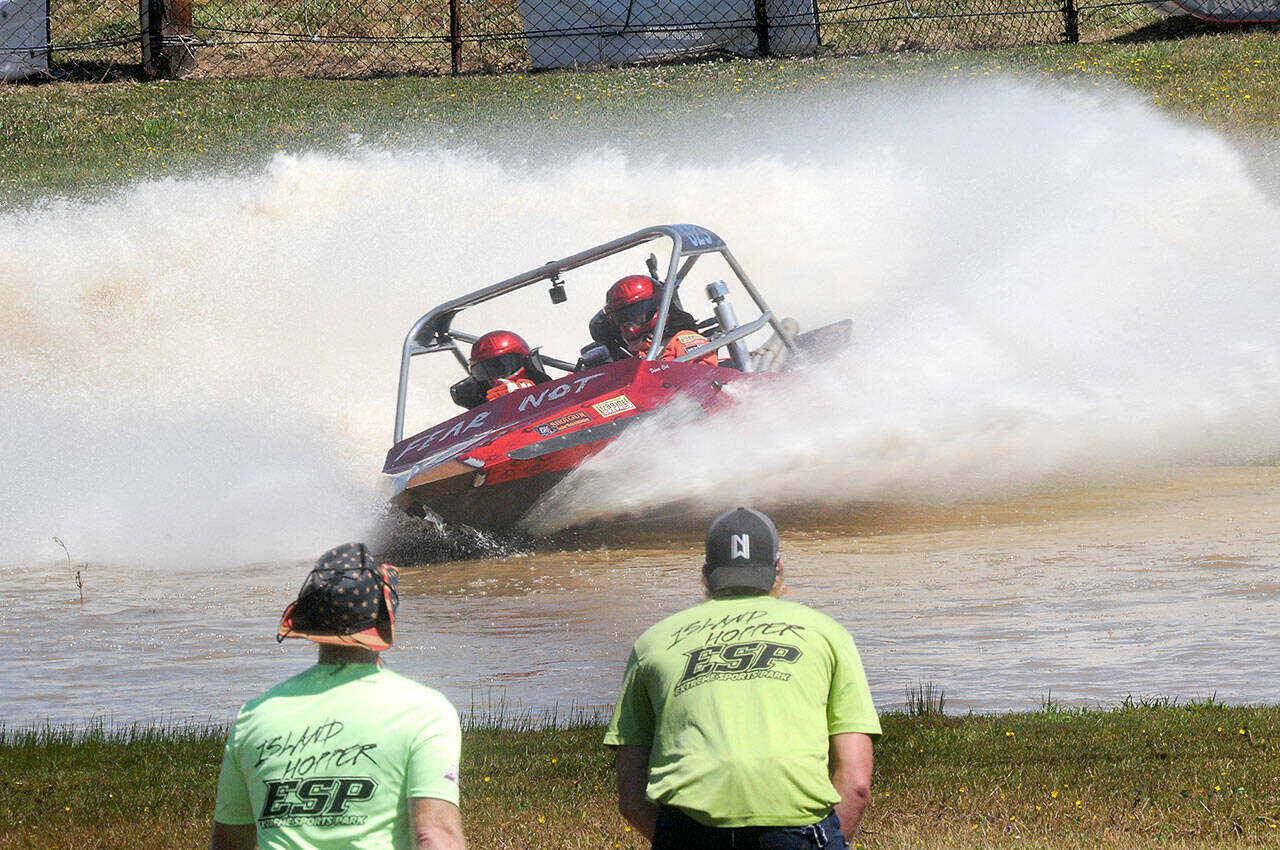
(199, 423)
(1166, 588)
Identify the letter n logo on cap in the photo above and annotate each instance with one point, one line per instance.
(740, 546)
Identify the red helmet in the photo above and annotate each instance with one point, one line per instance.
(632, 304)
(497, 355)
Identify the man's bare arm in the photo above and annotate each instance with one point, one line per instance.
(633, 777)
(850, 762)
(233, 836)
(437, 824)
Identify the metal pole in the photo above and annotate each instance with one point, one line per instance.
(762, 28)
(155, 62)
(455, 36)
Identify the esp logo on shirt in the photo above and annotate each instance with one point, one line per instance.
(327, 795)
(752, 659)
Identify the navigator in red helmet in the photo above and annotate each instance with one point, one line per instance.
(499, 363)
(632, 304)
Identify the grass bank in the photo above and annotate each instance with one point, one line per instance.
(1152, 774)
(76, 137)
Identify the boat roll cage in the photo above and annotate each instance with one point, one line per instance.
(434, 333)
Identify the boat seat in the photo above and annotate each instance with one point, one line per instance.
(467, 393)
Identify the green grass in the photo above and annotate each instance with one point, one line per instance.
(76, 137)
(141, 787)
(1147, 773)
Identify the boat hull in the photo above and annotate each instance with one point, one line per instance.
(488, 467)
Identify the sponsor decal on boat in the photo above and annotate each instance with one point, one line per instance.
(613, 406)
(574, 386)
(563, 423)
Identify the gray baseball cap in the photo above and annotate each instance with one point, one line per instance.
(742, 552)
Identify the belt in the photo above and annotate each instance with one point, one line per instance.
(819, 833)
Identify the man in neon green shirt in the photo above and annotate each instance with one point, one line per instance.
(345, 754)
(745, 721)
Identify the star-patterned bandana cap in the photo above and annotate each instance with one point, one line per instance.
(348, 599)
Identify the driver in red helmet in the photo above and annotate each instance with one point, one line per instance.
(632, 305)
(500, 363)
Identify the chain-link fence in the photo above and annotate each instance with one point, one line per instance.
(353, 38)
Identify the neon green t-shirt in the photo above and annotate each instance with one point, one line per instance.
(330, 758)
(737, 699)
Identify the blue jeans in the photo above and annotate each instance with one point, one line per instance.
(678, 831)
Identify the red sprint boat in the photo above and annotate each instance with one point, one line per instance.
(488, 466)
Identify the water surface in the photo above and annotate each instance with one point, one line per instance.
(1165, 588)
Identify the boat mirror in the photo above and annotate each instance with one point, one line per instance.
(593, 356)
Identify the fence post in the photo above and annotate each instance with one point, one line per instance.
(455, 36)
(155, 64)
(1071, 17)
(165, 25)
(762, 28)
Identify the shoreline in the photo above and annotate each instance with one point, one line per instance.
(1147, 772)
(925, 702)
